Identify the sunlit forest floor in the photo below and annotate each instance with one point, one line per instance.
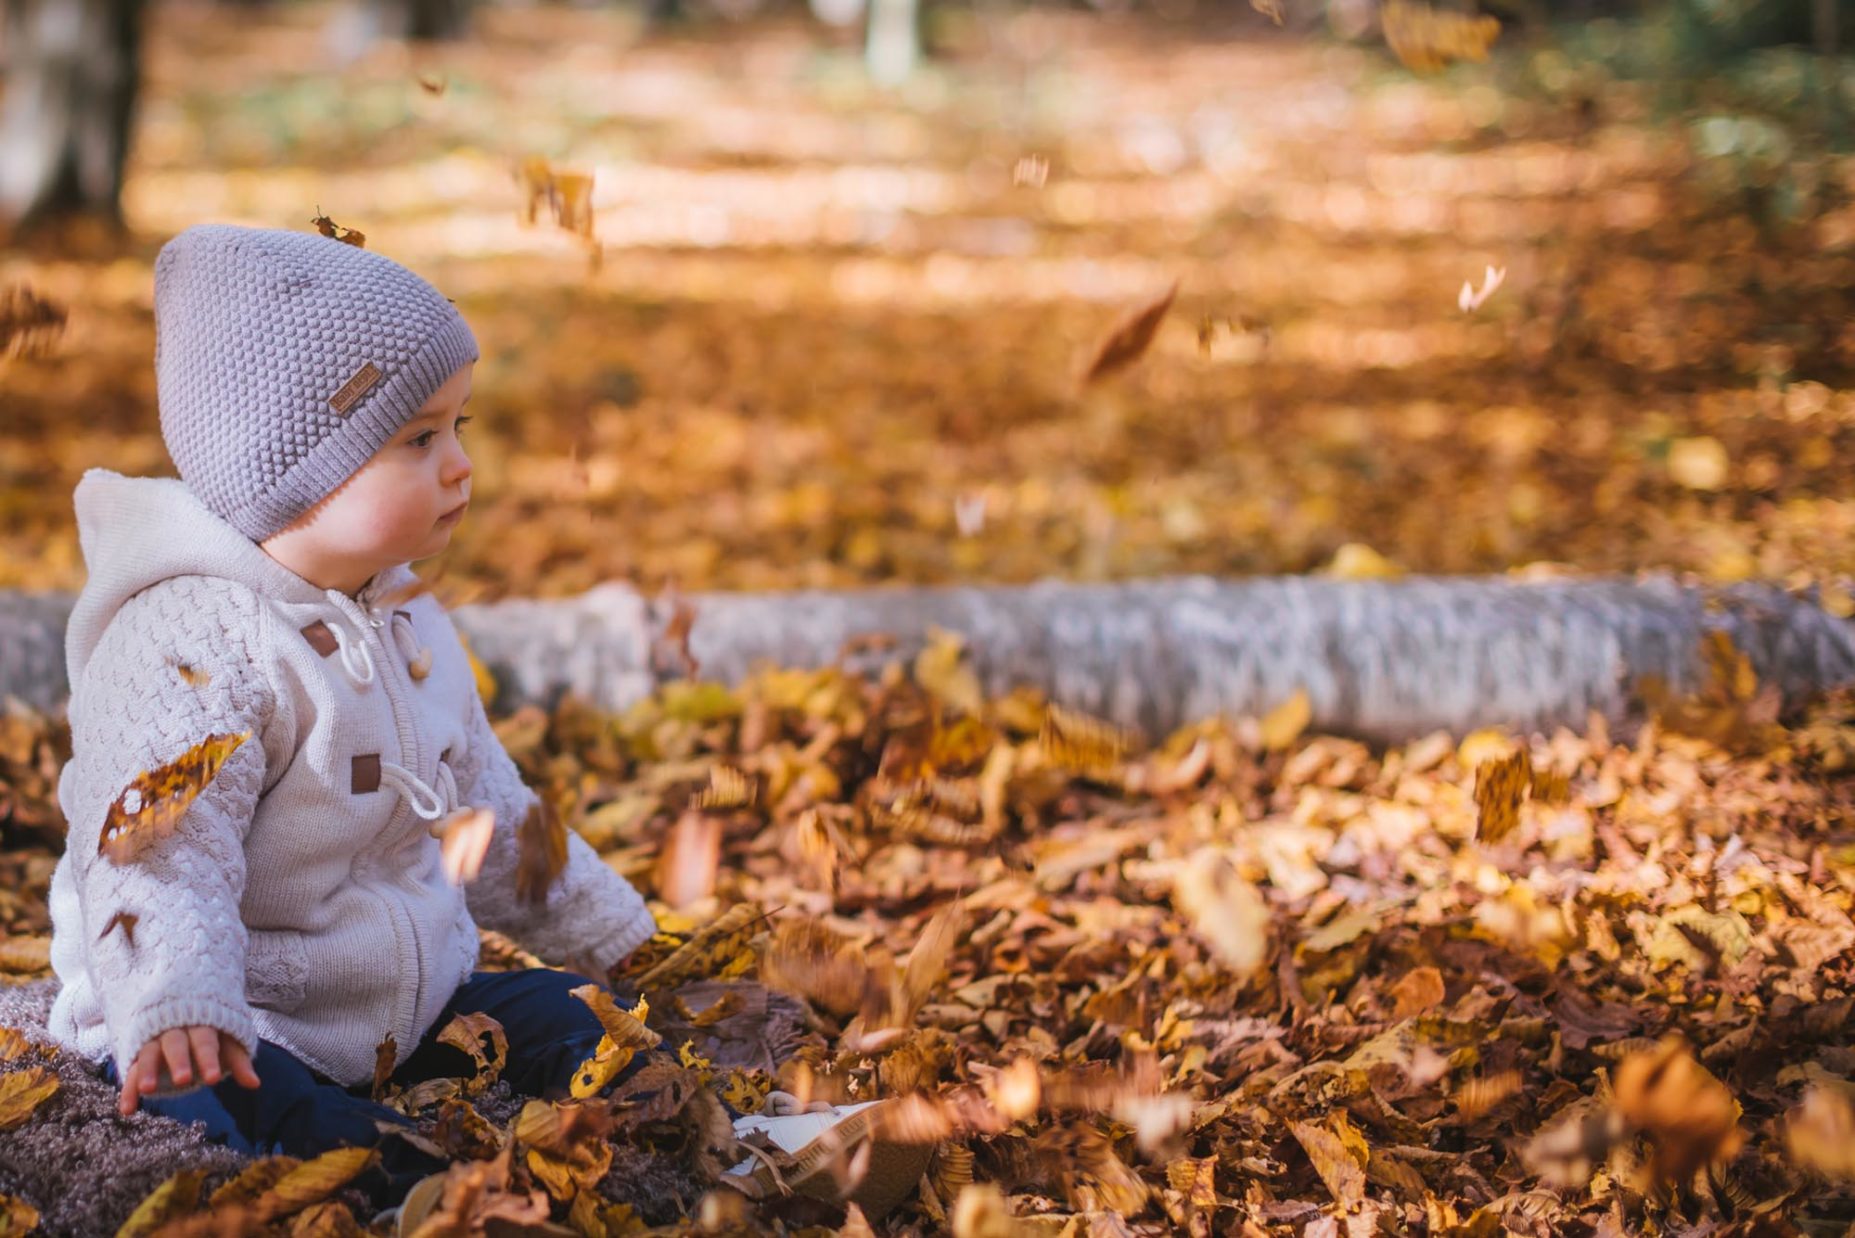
(828, 334)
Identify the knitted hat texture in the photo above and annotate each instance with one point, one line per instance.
(285, 360)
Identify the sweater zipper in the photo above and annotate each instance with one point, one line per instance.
(410, 757)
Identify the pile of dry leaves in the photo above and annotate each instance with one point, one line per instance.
(1246, 980)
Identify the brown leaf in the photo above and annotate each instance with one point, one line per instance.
(1500, 785)
(329, 228)
(151, 806)
(22, 1092)
(1692, 1115)
(386, 1054)
(1131, 336)
(1417, 991)
(690, 860)
(541, 851)
(466, 1032)
(1227, 911)
(1343, 1177)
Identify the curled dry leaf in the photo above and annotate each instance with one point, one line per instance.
(150, 807)
(329, 228)
(466, 1032)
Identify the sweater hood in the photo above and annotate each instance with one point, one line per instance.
(139, 531)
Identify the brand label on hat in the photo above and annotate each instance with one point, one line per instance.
(356, 387)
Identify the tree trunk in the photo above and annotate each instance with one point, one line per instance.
(893, 40)
(1383, 660)
(73, 69)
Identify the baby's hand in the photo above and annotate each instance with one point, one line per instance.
(207, 1044)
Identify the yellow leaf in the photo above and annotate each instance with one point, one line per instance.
(942, 669)
(1343, 1177)
(1226, 910)
(1358, 561)
(1500, 785)
(22, 1092)
(175, 1197)
(466, 1032)
(253, 1181)
(316, 1179)
(1284, 724)
(152, 805)
(17, 1217)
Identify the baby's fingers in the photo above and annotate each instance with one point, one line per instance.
(179, 1064)
(205, 1041)
(239, 1063)
(143, 1067)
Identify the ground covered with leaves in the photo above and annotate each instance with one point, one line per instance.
(800, 331)
(1245, 979)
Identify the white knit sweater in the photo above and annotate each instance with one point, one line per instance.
(301, 898)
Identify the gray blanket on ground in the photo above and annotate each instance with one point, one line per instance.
(85, 1167)
(80, 1163)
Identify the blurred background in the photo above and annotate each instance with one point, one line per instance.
(775, 296)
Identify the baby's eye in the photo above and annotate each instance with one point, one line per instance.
(425, 439)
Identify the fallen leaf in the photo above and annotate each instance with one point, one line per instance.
(150, 807)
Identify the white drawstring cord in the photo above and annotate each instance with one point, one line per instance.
(348, 648)
(418, 659)
(424, 800)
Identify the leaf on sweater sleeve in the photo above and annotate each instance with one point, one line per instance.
(148, 809)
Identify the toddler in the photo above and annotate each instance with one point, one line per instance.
(240, 964)
(298, 915)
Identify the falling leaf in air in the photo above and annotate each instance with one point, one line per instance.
(29, 324)
(1478, 1096)
(1271, 9)
(1074, 740)
(150, 807)
(463, 840)
(329, 228)
(1471, 298)
(690, 860)
(1500, 785)
(1226, 910)
(432, 84)
(541, 851)
(728, 788)
(1820, 1132)
(1427, 39)
(1691, 1115)
(1031, 170)
(1130, 337)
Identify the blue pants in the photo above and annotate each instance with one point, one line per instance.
(299, 1112)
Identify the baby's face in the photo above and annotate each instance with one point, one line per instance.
(401, 505)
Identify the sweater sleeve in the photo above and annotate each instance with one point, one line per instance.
(164, 943)
(589, 910)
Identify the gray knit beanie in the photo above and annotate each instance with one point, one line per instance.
(285, 360)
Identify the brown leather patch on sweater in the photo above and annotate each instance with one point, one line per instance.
(356, 387)
(320, 638)
(365, 775)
